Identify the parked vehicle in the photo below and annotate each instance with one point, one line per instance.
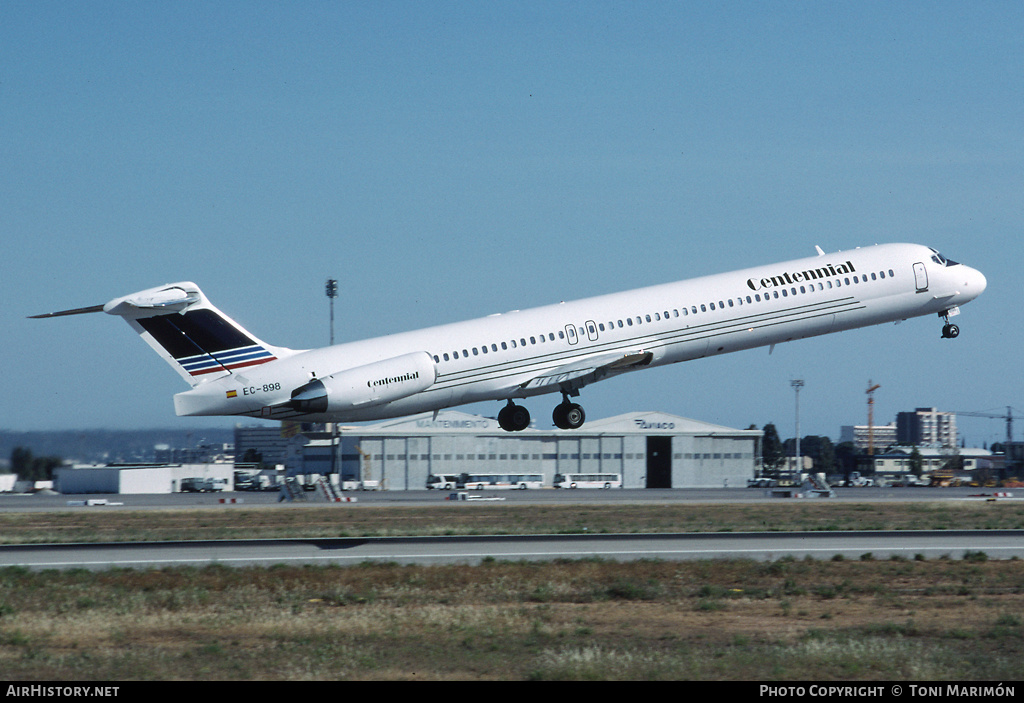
(444, 482)
(203, 485)
(594, 480)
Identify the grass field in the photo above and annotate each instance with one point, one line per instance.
(910, 620)
(356, 520)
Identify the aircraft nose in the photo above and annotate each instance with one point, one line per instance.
(975, 283)
(981, 283)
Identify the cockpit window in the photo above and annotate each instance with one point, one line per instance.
(943, 261)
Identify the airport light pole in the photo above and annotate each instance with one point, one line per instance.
(331, 289)
(797, 385)
(332, 293)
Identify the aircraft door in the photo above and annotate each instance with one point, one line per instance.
(570, 334)
(591, 330)
(920, 277)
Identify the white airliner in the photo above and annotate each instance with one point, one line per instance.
(553, 349)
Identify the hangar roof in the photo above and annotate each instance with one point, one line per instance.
(455, 422)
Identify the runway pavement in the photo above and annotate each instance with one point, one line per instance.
(996, 544)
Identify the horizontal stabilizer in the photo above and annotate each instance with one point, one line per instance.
(73, 311)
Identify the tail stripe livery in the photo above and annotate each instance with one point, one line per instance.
(203, 342)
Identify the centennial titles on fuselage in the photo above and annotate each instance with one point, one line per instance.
(789, 278)
(385, 382)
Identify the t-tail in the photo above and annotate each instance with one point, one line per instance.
(199, 341)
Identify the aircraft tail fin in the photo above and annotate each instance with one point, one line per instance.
(199, 341)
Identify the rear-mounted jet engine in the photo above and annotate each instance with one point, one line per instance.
(365, 386)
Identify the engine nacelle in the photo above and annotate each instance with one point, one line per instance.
(364, 386)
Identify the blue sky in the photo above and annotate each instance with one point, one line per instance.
(447, 160)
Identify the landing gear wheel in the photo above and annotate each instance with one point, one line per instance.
(568, 416)
(514, 418)
(950, 331)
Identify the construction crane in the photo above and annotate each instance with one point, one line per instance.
(871, 416)
(1008, 417)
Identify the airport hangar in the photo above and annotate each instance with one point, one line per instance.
(649, 450)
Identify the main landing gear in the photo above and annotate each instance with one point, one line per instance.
(566, 416)
(513, 418)
(949, 330)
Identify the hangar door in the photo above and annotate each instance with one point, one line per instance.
(659, 462)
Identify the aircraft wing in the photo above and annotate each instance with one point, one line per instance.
(593, 368)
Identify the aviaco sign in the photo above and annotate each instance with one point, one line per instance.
(648, 425)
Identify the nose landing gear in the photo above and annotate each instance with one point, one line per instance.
(949, 330)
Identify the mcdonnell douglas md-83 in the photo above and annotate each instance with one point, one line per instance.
(553, 349)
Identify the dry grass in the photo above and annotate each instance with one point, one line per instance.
(743, 620)
(348, 520)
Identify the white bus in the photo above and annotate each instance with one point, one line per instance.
(479, 482)
(588, 480)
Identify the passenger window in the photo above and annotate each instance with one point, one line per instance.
(712, 306)
(455, 355)
(533, 340)
(504, 345)
(475, 352)
(703, 307)
(437, 359)
(446, 356)
(785, 294)
(629, 321)
(522, 341)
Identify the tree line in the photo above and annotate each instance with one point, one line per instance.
(827, 457)
(33, 468)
